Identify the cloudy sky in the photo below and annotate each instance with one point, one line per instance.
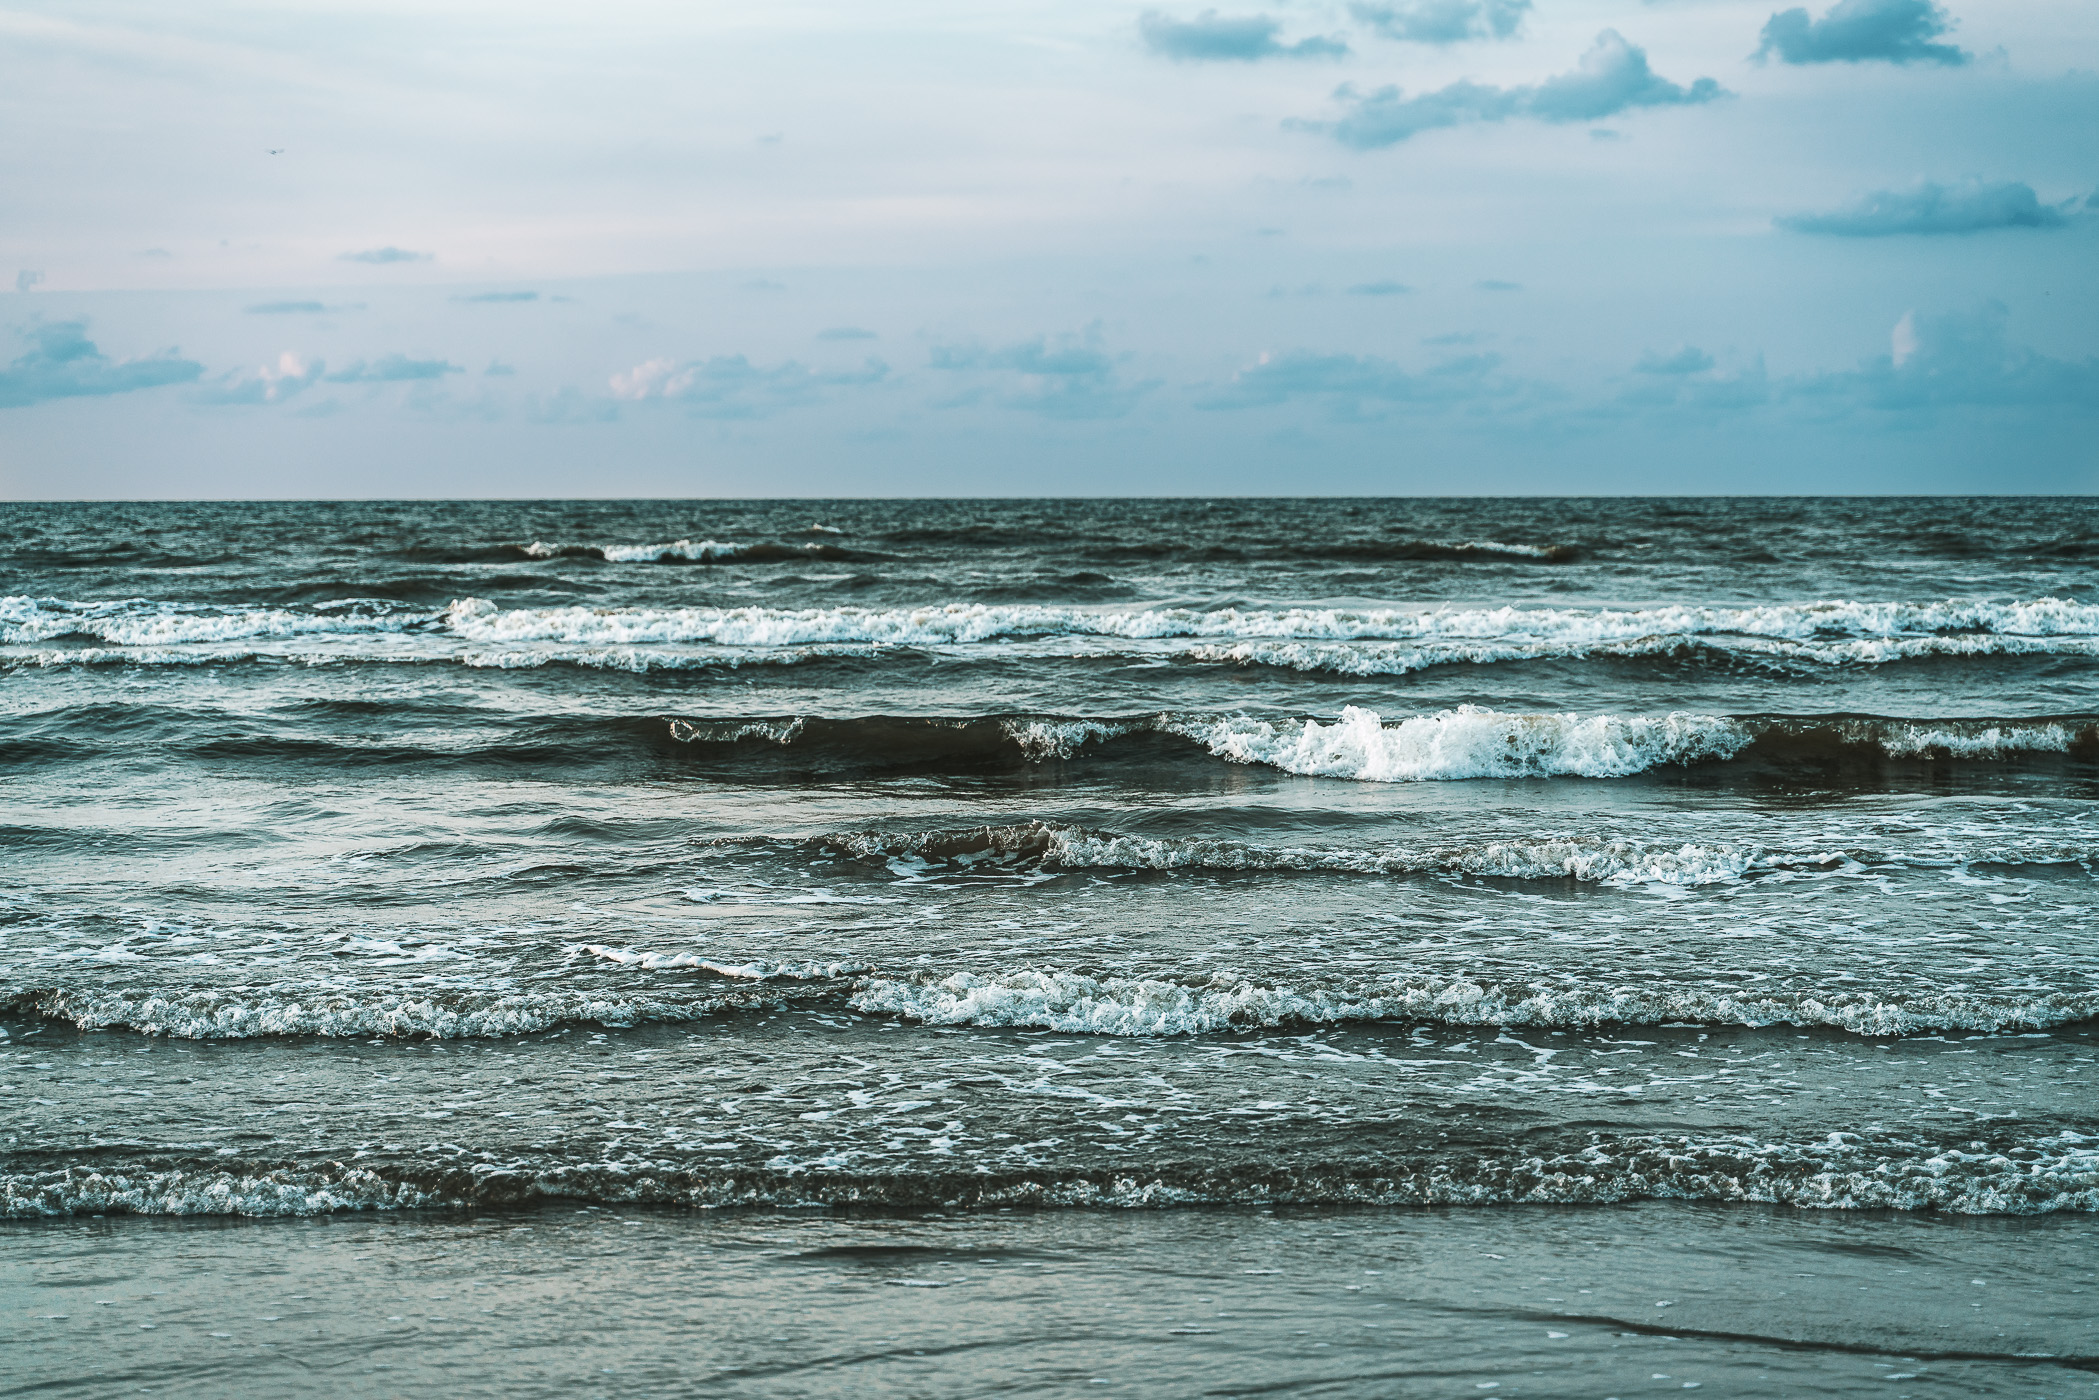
(923, 247)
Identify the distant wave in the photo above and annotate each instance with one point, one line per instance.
(242, 1013)
(1040, 997)
(1121, 1006)
(959, 623)
(1373, 641)
(1467, 742)
(1980, 1172)
(690, 552)
(1598, 860)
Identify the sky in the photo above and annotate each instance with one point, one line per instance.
(1563, 247)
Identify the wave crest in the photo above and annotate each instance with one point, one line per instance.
(1072, 1002)
(2005, 1175)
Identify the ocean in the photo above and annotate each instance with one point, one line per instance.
(1324, 947)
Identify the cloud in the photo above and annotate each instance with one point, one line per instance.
(25, 279)
(290, 376)
(287, 308)
(1379, 289)
(393, 369)
(64, 364)
(493, 297)
(1688, 359)
(1612, 77)
(730, 386)
(1970, 207)
(1072, 379)
(1860, 31)
(1443, 21)
(1957, 359)
(388, 254)
(1352, 385)
(497, 367)
(846, 333)
(1211, 38)
(1687, 382)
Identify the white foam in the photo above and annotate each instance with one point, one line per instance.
(1991, 741)
(1836, 1171)
(85, 1191)
(777, 731)
(961, 623)
(140, 623)
(758, 970)
(1472, 742)
(698, 551)
(1060, 738)
(243, 1014)
(1600, 860)
(1347, 640)
(1074, 1003)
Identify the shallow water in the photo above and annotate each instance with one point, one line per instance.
(1638, 1300)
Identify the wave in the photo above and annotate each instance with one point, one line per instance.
(138, 622)
(691, 552)
(1064, 1001)
(1999, 1175)
(963, 623)
(1400, 659)
(247, 1013)
(1589, 859)
(1371, 641)
(1467, 742)
(1075, 1003)
(1360, 745)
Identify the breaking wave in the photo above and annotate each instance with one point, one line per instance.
(1048, 999)
(1054, 846)
(1605, 860)
(1998, 1175)
(1462, 743)
(244, 1013)
(1120, 1006)
(1369, 641)
(690, 552)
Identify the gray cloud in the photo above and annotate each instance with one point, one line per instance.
(1212, 38)
(1073, 379)
(730, 386)
(64, 364)
(291, 376)
(1688, 359)
(1687, 383)
(1971, 207)
(25, 279)
(1613, 76)
(1860, 31)
(1353, 385)
(387, 254)
(496, 297)
(1443, 21)
(1379, 289)
(1957, 359)
(393, 369)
